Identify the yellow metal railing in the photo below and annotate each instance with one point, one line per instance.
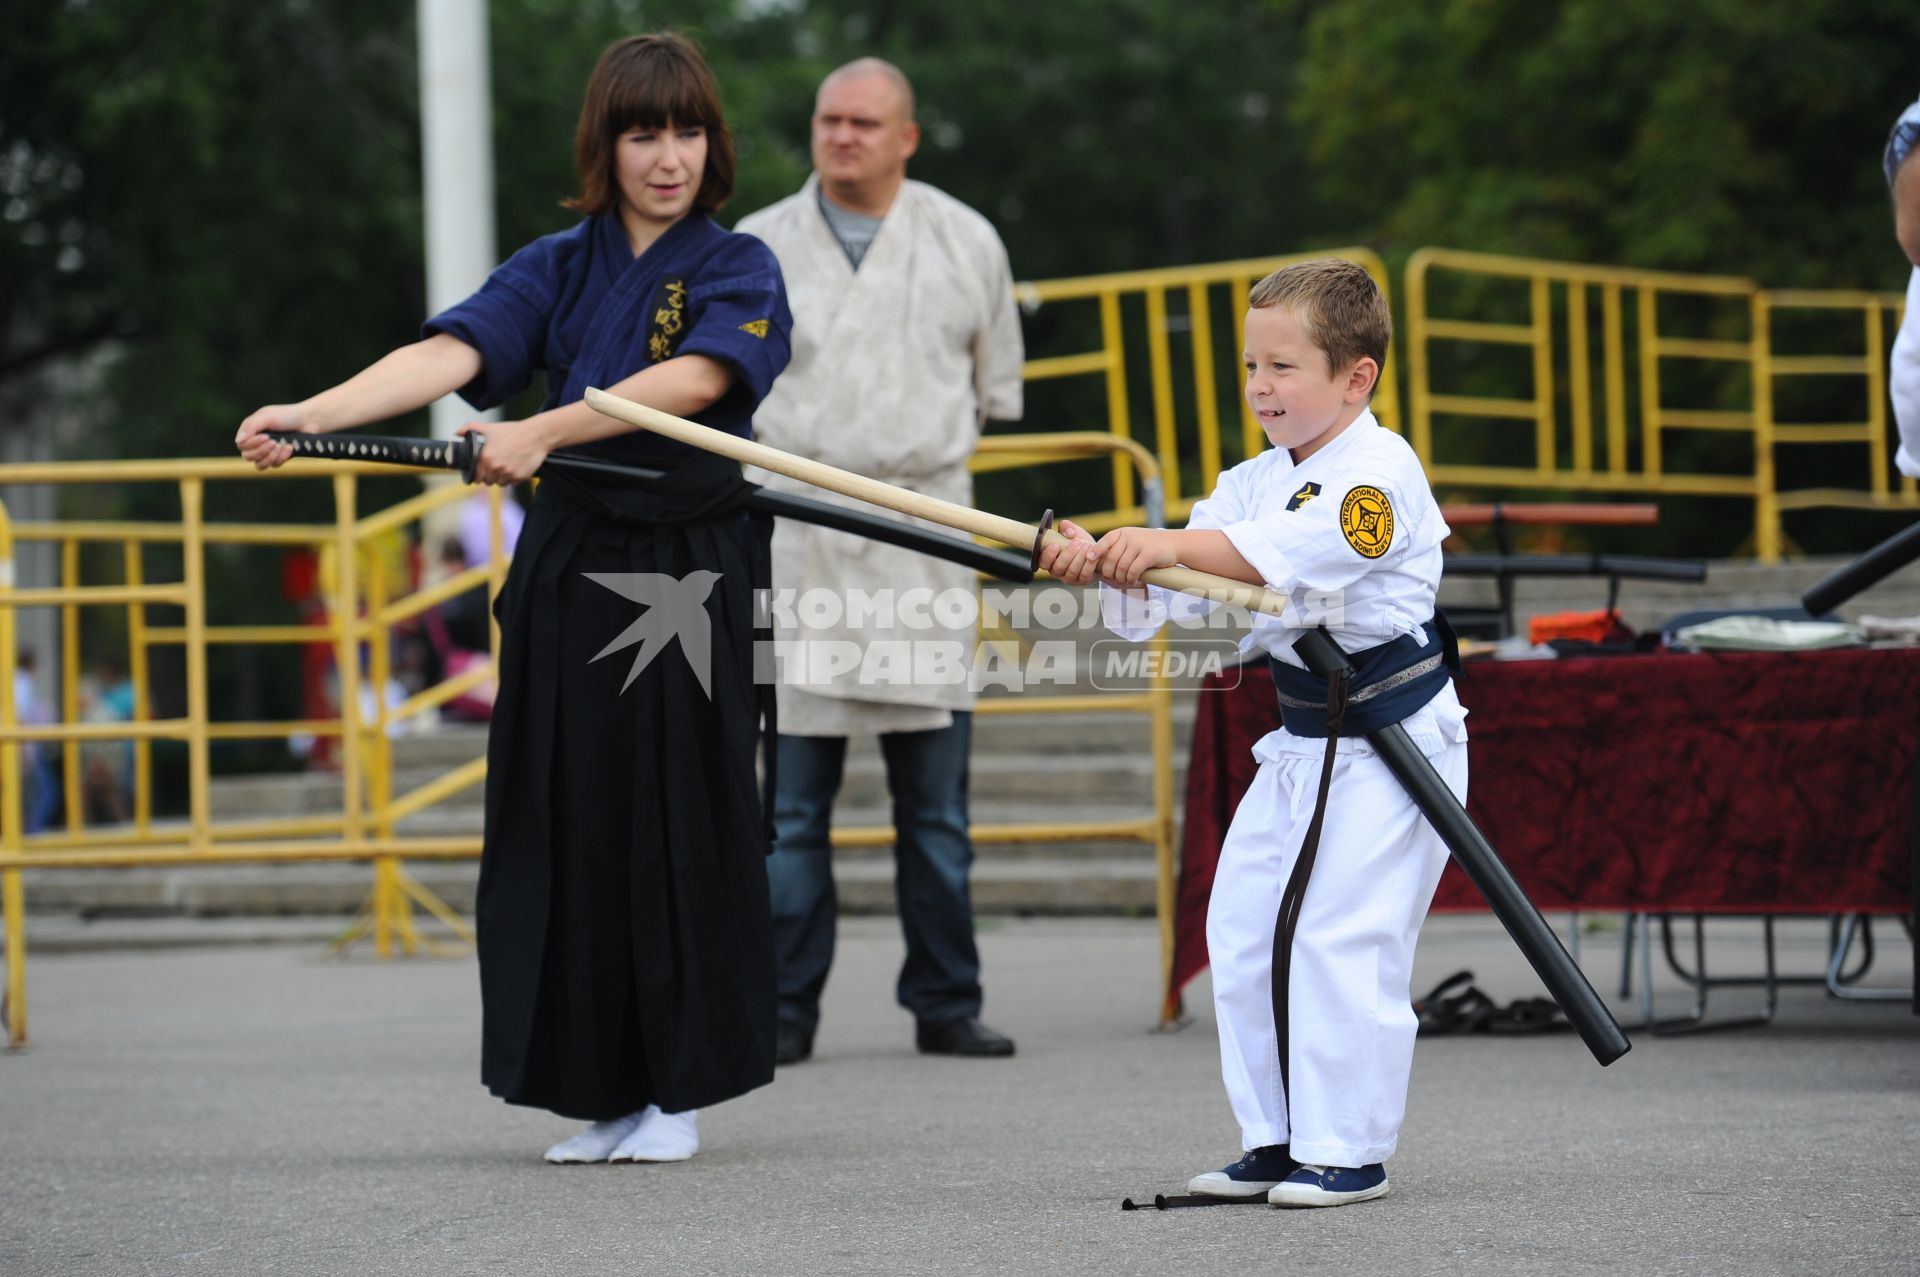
(1875, 317)
(364, 828)
(362, 612)
(1600, 419)
(1625, 450)
(1186, 299)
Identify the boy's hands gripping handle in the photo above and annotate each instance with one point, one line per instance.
(1561, 974)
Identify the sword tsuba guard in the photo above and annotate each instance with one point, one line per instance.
(1040, 540)
(469, 455)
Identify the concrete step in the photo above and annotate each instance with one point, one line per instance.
(1073, 757)
(1116, 778)
(310, 793)
(1040, 884)
(1002, 778)
(1092, 731)
(449, 822)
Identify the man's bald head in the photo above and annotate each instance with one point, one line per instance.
(863, 135)
(862, 68)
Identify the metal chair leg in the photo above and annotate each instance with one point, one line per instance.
(1701, 982)
(1626, 955)
(1838, 981)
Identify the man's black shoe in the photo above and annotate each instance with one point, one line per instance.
(792, 1045)
(965, 1036)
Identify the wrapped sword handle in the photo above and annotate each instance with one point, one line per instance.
(461, 454)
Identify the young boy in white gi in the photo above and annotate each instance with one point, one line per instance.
(1337, 516)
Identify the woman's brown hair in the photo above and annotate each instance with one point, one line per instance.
(649, 82)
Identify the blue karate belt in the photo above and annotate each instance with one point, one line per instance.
(1390, 682)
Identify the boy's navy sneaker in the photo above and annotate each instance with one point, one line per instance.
(1331, 1186)
(1251, 1176)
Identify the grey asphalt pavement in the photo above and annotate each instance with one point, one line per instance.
(249, 1110)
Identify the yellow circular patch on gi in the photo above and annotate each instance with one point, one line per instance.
(1366, 520)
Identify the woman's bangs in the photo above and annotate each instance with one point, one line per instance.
(667, 92)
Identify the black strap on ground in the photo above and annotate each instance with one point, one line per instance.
(1176, 1201)
(1288, 919)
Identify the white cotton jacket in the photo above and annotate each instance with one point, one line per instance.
(1351, 538)
(1903, 381)
(895, 368)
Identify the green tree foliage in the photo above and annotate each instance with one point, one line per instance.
(1098, 136)
(229, 190)
(1732, 136)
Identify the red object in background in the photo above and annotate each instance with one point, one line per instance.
(299, 575)
(1604, 626)
(1711, 783)
(300, 585)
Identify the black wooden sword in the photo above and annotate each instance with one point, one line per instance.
(461, 456)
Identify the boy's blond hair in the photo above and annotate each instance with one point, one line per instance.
(1338, 304)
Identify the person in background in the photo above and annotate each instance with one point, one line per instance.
(905, 341)
(40, 779)
(1902, 164)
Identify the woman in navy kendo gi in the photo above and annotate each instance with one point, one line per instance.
(626, 972)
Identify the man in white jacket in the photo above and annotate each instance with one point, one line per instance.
(905, 341)
(1903, 179)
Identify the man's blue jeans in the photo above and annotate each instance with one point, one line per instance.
(927, 777)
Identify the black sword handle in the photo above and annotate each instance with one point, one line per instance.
(461, 454)
(1561, 974)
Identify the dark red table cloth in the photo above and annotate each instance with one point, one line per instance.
(1728, 783)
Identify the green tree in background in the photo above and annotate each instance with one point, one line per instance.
(228, 191)
(1736, 137)
(226, 194)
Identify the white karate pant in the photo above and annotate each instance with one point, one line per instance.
(1350, 1005)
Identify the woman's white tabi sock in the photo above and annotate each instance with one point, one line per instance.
(660, 1137)
(597, 1142)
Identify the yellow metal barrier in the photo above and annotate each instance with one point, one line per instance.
(1628, 453)
(1184, 299)
(1627, 449)
(1867, 314)
(362, 612)
(365, 760)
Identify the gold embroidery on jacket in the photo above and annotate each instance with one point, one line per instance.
(669, 319)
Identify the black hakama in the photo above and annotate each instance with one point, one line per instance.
(625, 942)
